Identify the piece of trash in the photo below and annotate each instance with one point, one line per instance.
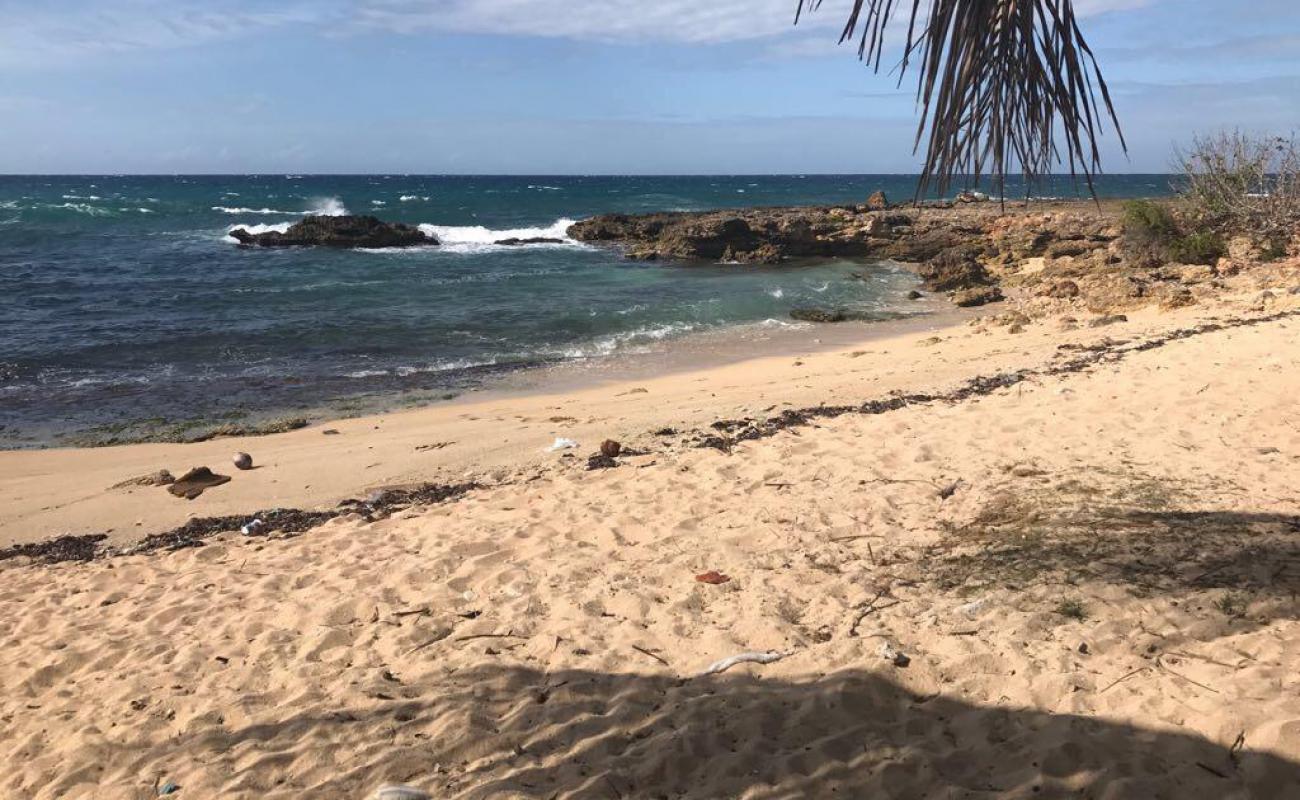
(401, 792)
(764, 657)
(973, 608)
(330, 432)
(242, 461)
(563, 444)
(893, 655)
(167, 788)
(610, 448)
(712, 577)
(255, 527)
(193, 483)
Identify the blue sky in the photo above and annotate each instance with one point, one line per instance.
(560, 86)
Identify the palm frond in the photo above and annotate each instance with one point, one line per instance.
(1003, 84)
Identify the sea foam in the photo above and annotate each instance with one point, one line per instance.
(280, 227)
(476, 238)
(320, 207)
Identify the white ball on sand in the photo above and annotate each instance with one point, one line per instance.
(243, 461)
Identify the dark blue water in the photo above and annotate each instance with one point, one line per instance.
(122, 299)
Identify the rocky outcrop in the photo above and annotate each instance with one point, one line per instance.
(967, 248)
(977, 296)
(344, 232)
(772, 235)
(877, 201)
(953, 269)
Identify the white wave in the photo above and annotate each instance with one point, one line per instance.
(544, 188)
(778, 293)
(327, 207)
(476, 238)
(378, 203)
(634, 341)
(280, 227)
(411, 198)
(229, 210)
(82, 197)
(408, 370)
(8, 203)
(822, 288)
(84, 208)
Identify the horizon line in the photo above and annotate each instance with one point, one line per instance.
(534, 175)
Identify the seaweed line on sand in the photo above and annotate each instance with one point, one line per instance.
(734, 431)
(192, 534)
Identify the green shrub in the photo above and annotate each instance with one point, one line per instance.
(1148, 219)
(1274, 250)
(1149, 227)
(1197, 248)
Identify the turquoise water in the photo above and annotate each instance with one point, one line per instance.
(122, 298)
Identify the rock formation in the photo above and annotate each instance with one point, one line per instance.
(345, 231)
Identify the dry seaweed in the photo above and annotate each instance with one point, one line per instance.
(54, 551)
(193, 533)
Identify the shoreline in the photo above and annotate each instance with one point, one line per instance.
(509, 416)
(491, 439)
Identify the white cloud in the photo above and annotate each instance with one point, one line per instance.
(44, 36)
(685, 21)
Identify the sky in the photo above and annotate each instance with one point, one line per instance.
(562, 86)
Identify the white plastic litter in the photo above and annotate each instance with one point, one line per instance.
(254, 527)
(973, 608)
(764, 657)
(399, 792)
(563, 444)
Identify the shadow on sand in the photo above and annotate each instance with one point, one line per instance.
(521, 733)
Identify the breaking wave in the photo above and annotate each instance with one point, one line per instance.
(229, 210)
(320, 207)
(279, 227)
(476, 238)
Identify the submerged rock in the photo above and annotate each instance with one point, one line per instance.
(346, 231)
(818, 315)
(515, 241)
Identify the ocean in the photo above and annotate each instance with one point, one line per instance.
(127, 312)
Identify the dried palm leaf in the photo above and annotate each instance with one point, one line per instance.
(1002, 84)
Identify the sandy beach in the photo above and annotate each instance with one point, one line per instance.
(1071, 573)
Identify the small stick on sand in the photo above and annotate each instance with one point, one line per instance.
(1166, 668)
(1118, 681)
(765, 657)
(473, 636)
(650, 653)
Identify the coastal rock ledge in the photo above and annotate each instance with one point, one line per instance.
(344, 231)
